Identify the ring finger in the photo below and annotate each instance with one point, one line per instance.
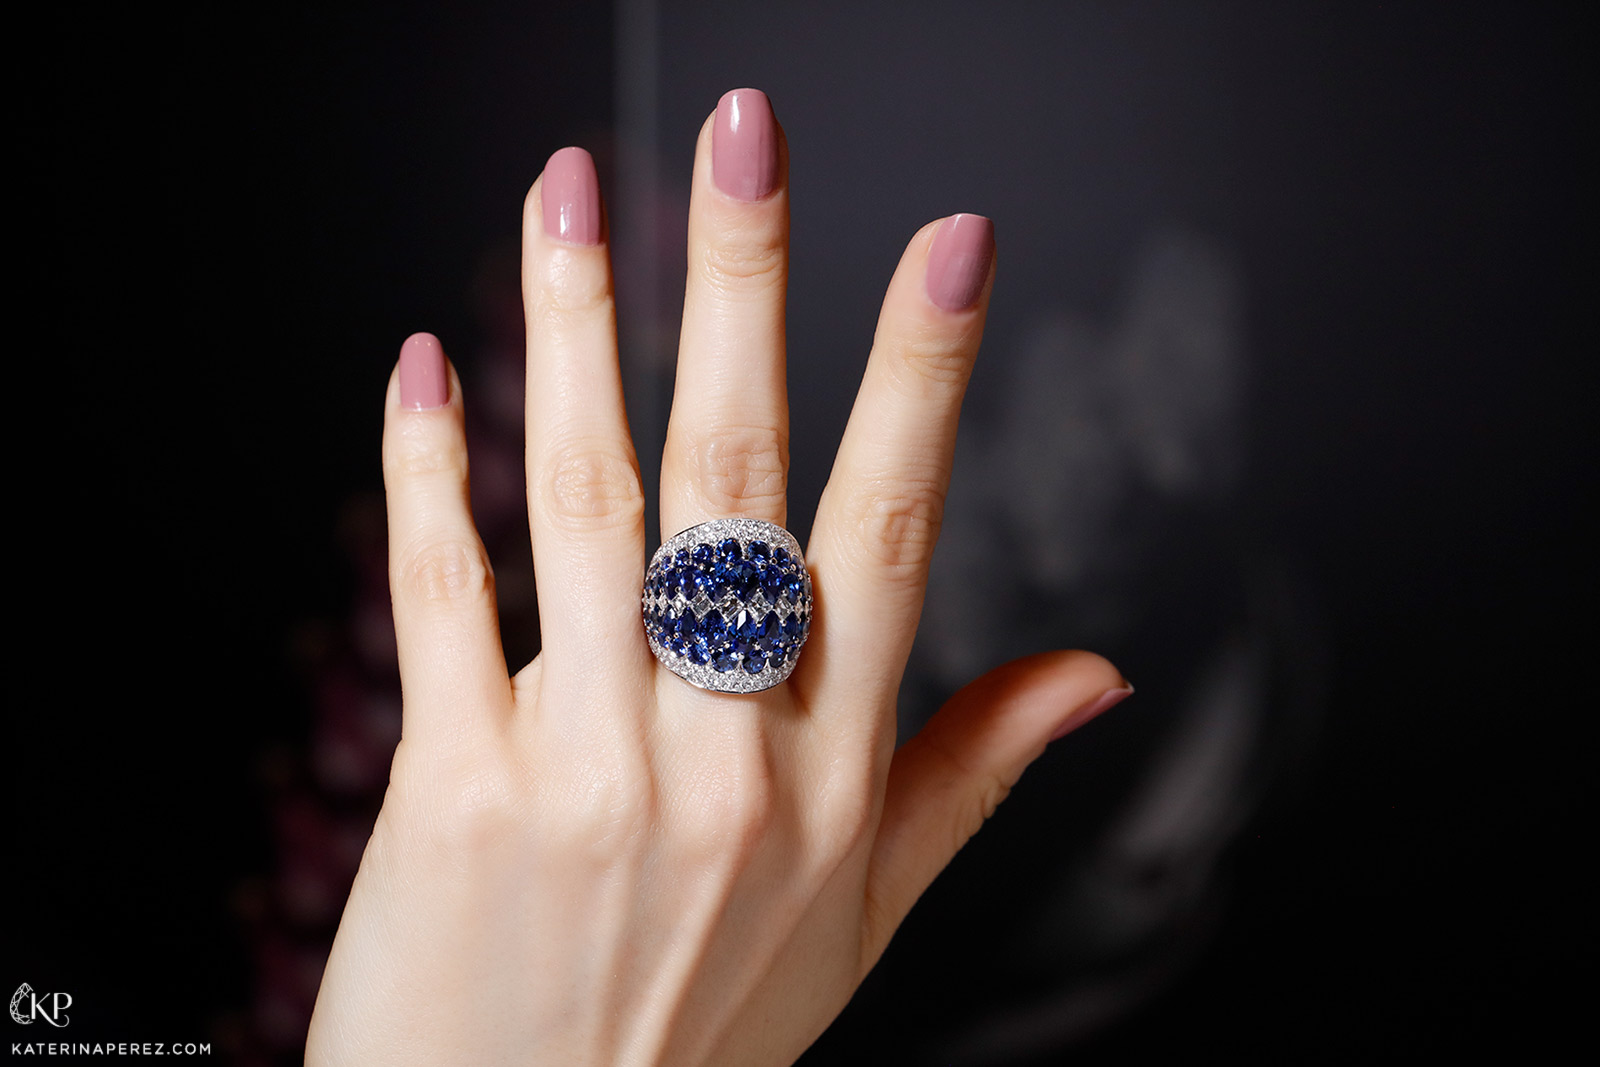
(585, 505)
(727, 449)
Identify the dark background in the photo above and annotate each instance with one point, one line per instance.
(228, 219)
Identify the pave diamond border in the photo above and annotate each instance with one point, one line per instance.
(705, 676)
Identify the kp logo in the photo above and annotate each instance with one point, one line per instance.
(27, 1006)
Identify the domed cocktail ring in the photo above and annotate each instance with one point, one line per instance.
(727, 604)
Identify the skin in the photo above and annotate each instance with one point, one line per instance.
(616, 867)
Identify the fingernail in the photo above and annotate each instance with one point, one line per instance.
(958, 262)
(570, 198)
(1102, 704)
(424, 381)
(744, 145)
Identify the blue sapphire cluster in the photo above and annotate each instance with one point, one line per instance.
(728, 612)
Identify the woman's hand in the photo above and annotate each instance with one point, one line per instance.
(594, 862)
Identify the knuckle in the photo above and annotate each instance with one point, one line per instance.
(933, 359)
(445, 571)
(981, 795)
(606, 813)
(737, 468)
(571, 292)
(476, 820)
(992, 792)
(726, 823)
(469, 812)
(589, 489)
(979, 806)
(851, 821)
(897, 526)
(745, 263)
(416, 448)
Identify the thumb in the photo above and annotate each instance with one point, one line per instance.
(947, 780)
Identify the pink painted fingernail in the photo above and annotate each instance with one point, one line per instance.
(570, 198)
(1099, 706)
(958, 262)
(424, 379)
(744, 145)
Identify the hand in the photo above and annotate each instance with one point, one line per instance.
(594, 862)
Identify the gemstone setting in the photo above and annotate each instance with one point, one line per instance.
(727, 605)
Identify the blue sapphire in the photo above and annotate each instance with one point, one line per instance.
(743, 579)
(728, 548)
(702, 555)
(757, 550)
(732, 576)
(687, 582)
(771, 582)
(794, 587)
(683, 624)
(714, 583)
(768, 632)
(753, 631)
(711, 629)
(749, 632)
(715, 636)
(792, 627)
(755, 662)
(780, 556)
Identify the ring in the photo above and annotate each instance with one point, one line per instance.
(727, 605)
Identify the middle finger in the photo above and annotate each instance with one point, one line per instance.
(727, 449)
